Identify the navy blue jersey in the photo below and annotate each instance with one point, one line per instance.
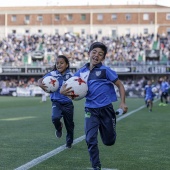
(56, 96)
(100, 81)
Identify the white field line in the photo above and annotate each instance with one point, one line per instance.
(47, 155)
(102, 169)
(62, 148)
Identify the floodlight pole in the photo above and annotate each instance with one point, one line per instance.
(91, 22)
(6, 24)
(156, 26)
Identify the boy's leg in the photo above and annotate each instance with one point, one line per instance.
(108, 125)
(56, 116)
(146, 101)
(147, 105)
(68, 112)
(162, 96)
(165, 96)
(150, 105)
(91, 131)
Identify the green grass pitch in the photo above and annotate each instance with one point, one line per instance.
(26, 132)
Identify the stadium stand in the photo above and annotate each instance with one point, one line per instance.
(123, 51)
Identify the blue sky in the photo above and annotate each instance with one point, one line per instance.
(79, 2)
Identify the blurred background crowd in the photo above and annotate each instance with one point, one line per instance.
(43, 49)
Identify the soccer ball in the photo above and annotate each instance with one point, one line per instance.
(51, 83)
(79, 87)
(154, 89)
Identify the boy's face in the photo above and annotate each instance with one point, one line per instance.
(96, 56)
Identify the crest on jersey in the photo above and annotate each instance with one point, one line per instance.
(67, 76)
(98, 73)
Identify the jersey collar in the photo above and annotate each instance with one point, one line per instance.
(97, 66)
(67, 71)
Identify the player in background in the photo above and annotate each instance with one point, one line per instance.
(149, 95)
(164, 87)
(62, 106)
(43, 97)
(168, 91)
(99, 112)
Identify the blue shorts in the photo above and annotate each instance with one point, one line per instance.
(149, 98)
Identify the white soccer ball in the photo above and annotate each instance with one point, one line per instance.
(51, 83)
(154, 89)
(79, 87)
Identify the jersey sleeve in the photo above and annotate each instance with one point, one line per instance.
(77, 73)
(111, 75)
(48, 74)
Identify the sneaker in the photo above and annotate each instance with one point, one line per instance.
(58, 133)
(68, 145)
(160, 104)
(150, 110)
(164, 104)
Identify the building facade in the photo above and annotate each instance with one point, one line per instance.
(109, 20)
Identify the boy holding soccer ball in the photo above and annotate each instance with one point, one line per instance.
(62, 106)
(99, 112)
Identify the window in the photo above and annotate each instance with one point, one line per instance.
(128, 31)
(100, 31)
(57, 17)
(14, 18)
(100, 17)
(27, 31)
(114, 33)
(14, 31)
(83, 17)
(82, 31)
(69, 17)
(168, 16)
(114, 17)
(27, 19)
(39, 18)
(56, 31)
(70, 29)
(145, 31)
(40, 31)
(128, 17)
(145, 16)
(168, 31)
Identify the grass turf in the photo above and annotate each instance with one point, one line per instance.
(27, 133)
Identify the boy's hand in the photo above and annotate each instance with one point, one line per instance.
(66, 91)
(42, 85)
(124, 107)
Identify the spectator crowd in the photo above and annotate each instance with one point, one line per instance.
(16, 50)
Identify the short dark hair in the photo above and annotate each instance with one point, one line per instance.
(98, 45)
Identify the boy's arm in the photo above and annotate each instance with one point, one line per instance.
(66, 91)
(121, 88)
(41, 85)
